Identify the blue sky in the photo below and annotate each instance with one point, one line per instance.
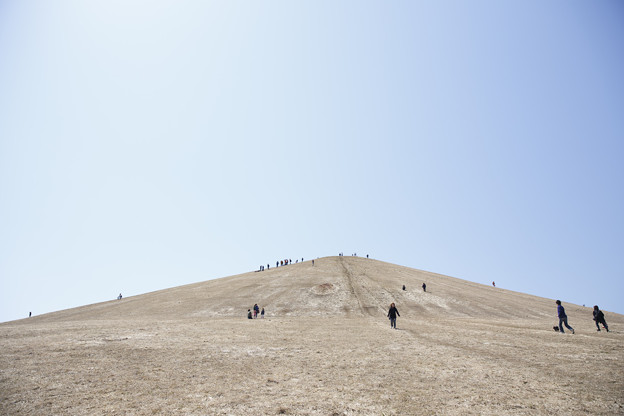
(146, 145)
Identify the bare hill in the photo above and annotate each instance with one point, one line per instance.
(334, 286)
(325, 347)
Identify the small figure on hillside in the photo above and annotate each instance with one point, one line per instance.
(30, 314)
(367, 256)
(599, 318)
(493, 283)
(262, 313)
(249, 314)
(424, 286)
(403, 287)
(119, 297)
(392, 315)
(268, 266)
(256, 310)
(563, 318)
(312, 262)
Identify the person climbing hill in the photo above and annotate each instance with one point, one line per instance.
(563, 318)
(600, 318)
(392, 315)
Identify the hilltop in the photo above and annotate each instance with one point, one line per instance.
(334, 286)
(325, 347)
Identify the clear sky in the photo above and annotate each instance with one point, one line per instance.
(150, 144)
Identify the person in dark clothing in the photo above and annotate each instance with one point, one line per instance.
(403, 287)
(249, 314)
(256, 310)
(392, 314)
(600, 319)
(563, 318)
(424, 286)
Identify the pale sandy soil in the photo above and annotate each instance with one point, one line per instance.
(325, 348)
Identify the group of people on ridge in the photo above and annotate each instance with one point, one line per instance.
(279, 263)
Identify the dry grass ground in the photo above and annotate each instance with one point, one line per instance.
(325, 348)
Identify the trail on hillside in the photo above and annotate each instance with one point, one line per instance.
(372, 298)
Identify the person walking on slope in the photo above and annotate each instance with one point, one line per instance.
(563, 318)
(392, 314)
(599, 318)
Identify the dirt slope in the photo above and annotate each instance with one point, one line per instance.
(324, 348)
(334, 286)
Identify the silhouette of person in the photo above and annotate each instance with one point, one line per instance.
(599, 318)
(262, 313)
(493, 284)
(403, 287)
(424, 286)
(392, 314)
(119, 297)
(30, 314)
(249, 314)
(563, 318)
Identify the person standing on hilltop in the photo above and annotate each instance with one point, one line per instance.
(424, 286)
(599, 318)
(563, 318)
(392, 315)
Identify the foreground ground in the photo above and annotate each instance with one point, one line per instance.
(309, 365)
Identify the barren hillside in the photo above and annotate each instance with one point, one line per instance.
(325, 347)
